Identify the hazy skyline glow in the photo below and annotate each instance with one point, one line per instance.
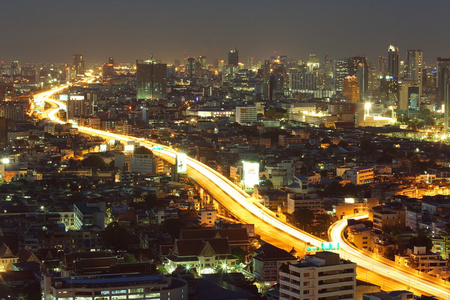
(51, 31)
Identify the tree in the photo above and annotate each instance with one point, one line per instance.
(172, 227)
(303, 218)
(94, 161)
(116, 237)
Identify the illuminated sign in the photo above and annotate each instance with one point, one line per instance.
(181, 163)
(5, 161)
(251, 174)
(329, 246)
(349, 200)
(74, 97)
(129, 148)
(157, 148)
(63, 97)
(103, 148)
(310, 249)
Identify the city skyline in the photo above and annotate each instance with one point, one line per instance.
(128, 31)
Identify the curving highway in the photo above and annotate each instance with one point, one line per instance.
(267, 224)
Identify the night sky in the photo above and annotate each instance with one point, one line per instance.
(51, 31)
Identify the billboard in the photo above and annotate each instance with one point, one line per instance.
(251, 174)
(76, 97)
(103, 147)
(181, 163)
(329, 246)
(129, 148)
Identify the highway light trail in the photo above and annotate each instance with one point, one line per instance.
(239, 199)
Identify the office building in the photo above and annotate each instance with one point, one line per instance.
(3, 131)
(78, 106)
(414, 66)
(142, 163)
(111, 60)
(341, 70)
(267, 262)
(246, 114)
(101, 276)
(447, 105)
(360, 69)
(88, 214)
(409, 98)
(313, 63)
(393, 61)
(233, 58)
(190, 67)
(151, 78)
(351, 91)
(12, 110)
(381, 65)
(321, 276)
(78, 63)
(443, 74)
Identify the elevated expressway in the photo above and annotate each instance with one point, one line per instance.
(267, 224)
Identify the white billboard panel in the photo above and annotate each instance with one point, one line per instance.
(181, 163)
(129, 148)
(103, 148)
(251, 174)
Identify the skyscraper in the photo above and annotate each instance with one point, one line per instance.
(393, 61)
(190, 67)
(313, 63)
(78, 63)
(381, 65)
(351, 91)
(414, 66)
(447, 105)
(111, 60)
(151, 79)
(233, 58)
(359, 68)
(443, 74)
(341, 70)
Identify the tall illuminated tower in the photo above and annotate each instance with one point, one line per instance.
(78, 63)
(233, 58)
(393, 61)
(443, 74)
(414, 66)
(151, 80)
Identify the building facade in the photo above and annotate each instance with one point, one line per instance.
(320, 276)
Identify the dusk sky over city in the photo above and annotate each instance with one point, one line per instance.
(207, 150)
(51, 31)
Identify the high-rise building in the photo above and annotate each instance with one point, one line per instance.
(320, 276)
(233, 58)
(190, 67)
(351, 91)
(111, 60)
(381, 65)
(151, 78)
(79, 106)
(246, 114)
(447, 105)
(12, 110)
(78, 63)
(393, 61)
(359, 68)
(202, 60)
(341, 70)
(443, 74)
(313, 63)
(3, 131)
(414, 66)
